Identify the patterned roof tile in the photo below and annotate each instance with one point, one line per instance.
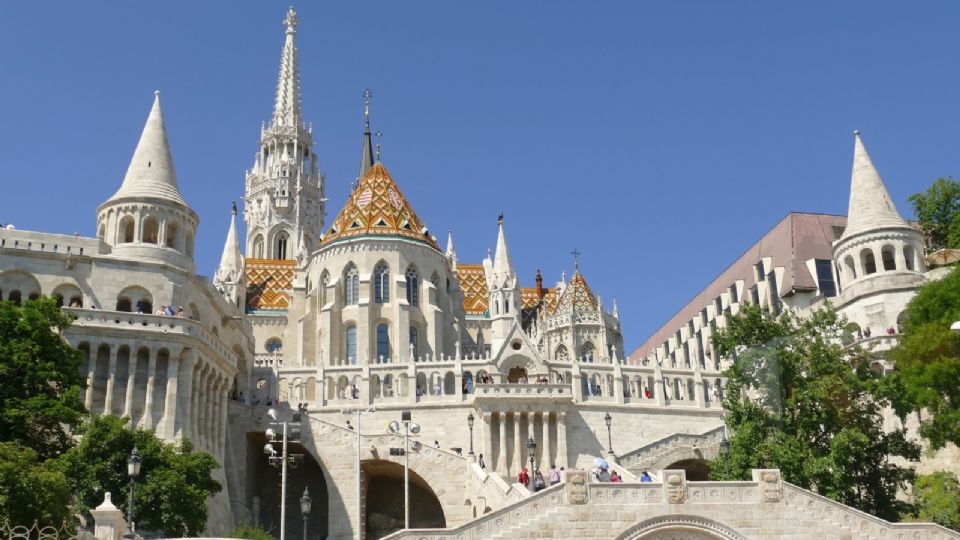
(269, 282)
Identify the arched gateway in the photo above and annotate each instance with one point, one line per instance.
(679, 527)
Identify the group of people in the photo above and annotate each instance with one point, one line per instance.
(354, 392)
(168, 311)
(601, 474)
(536, 482)
(302, 408)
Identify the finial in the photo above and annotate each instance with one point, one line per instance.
(379, 135)
(156, 93)
(856, 132)
(234, 209)
(500, 219)
(367, 94)
(576, 258)
(291, 21)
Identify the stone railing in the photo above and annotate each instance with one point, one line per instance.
(494, 489)
(645, 456)
(528, 390)
(142, 322)
(49, 243)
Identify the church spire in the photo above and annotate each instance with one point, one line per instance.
(230, 271)
(286, 109)
(502, 265)
(870, 205)
(450, 252)
(366, 155)
(151, 172)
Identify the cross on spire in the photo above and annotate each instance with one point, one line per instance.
(379, 139)
(291, 21)
(367, 94)
(576, 258)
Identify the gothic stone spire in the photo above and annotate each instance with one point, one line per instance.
(286, 110)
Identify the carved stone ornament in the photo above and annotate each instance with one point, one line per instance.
(770, 487)
(577, 487)
(675, 486)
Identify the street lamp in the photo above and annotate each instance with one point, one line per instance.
(531, 446)
(408, 429)
(133, 471)
(609, 420)
(282, 460)
(470, 424)
(725, 449)
(358, 411)
(305, 503)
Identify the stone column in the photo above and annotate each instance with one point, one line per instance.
(91, 372)
(562, 439)
(170, 398)
(195, 410)
(207, 396)
(184, 390)
(502, 463)
(547, 455)
(488, 440)
(517, 441)
(148, 420)
(131, 384)
(223, 418)
(111, 374)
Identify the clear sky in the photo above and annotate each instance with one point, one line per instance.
(661, 139)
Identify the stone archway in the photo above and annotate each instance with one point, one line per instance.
(383, 481)
(516, 374)
(698, 470)
(679, 527)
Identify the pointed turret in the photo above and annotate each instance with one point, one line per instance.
(230, 271)
(502, 265)
(286, 109)
(450, 252)
(151, 173)
(870, 205)
(366, 154)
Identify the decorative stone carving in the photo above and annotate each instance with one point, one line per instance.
(771, 489)
(675, 486)
(576, 487)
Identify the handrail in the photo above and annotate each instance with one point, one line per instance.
(668, 441)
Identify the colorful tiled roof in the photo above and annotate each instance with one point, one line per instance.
(473, 284)
(269, 282)
(530, 300)
(578, 293)
(376, 207)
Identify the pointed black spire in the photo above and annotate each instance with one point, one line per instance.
(366, 155)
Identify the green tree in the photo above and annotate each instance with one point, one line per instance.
(39, 397)
(250, 532)
(938, 211)
(937, 497)
(928, 360)
(797, 400)
(174, 481)
(31, 491)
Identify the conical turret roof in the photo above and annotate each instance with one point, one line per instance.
(231, 261)
(870, 205)
(577, 293)
(151, 173)
(377, 208)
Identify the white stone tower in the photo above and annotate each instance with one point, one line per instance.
(284, 198)
(877, 252)
(229, 277)
(503, 288)
(147, 217)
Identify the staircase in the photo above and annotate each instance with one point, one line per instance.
(646, 457)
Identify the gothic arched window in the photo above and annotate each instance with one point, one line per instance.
(587, 352)
(351, 286)
(258, 247)
(351, 345)
(281, 251)
(383, 343)
(562, 355)
(324, 281)
(381, 283)
(413, 294)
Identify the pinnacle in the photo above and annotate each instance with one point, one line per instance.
(870, 204)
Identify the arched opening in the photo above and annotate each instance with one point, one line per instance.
(188, 245)
(151, 231)
(135, 299)
(868, 262)
(851, 333)
(516, 375)
(351, 286)
(413, 286)
(698, 470)
(258, 247)
(850, 269)
(384, 498)
(273, 345)
(587, 352)
(887, 256)
(381, 283)
(309, 475)
(101, 231)
(351, 345)
(449, 384)
(280, 252)
(172, 236)
(561, 354)
(908, 255)
(68, 295)
(126, 230)
(383, 344)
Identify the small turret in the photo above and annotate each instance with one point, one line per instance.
(229, 276)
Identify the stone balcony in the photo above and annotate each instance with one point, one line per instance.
(523, 393)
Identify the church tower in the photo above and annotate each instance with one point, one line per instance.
(283, 201)
(503, 289)
(147, 217)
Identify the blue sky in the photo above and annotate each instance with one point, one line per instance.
(660, 138)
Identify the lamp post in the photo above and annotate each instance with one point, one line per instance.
(282, 461)
(470, 425)
(133, 471)
(358, 411)
(531, 446)
(305, 503)
(725, 449)
(609, 420)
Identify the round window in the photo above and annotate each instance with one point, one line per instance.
(516, 345)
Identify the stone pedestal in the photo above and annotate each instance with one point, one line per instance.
(109, 521)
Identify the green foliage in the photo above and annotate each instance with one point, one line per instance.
(797, 400)
(938, 211)
(928, 360)
(39, 397)
(31, 490)
(250, 532)
(174, 481)
(937, 497)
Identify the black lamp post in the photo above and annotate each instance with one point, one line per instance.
(609, 420)
(133, 471)
(470, 424)
(531, 446)
(725, 449)
(305, 503)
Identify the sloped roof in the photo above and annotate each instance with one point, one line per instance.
(870, 204)
(473, 284)
(269, 282)
(377, 208)
(577, 293)
(529, 298)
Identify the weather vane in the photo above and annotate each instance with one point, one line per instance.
(367, 94)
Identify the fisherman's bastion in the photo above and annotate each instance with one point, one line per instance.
(340, 324)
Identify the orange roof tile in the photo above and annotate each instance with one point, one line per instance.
(269, 282)
(473, 283)
(376, 207)
(578, 293)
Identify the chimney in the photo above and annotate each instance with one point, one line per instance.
(540, 292)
